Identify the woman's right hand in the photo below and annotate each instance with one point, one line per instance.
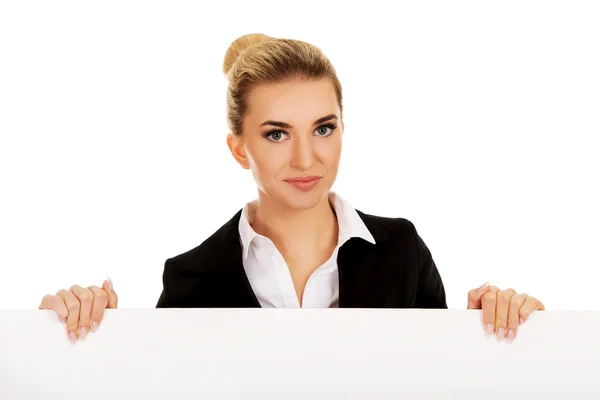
(82, 309)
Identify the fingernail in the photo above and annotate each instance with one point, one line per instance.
(484, 286)
(72, 337)
(94, 326)
(521, 321)
(511, 335)
(501, 333)
(63, 320)
(110, 285)
(490, 329)
(82, 332)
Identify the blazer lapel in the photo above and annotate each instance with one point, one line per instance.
(236, 285)
(361, 268)
(225, 283)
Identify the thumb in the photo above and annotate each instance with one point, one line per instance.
(113, 299)
(474, 301)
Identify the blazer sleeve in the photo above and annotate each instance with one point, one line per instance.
(430, 288)
(163, 300)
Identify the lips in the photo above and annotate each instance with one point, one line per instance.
(303, 179)
(304, 183)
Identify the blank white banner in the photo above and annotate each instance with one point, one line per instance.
(299, 354)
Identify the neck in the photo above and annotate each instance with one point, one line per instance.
(295, 231)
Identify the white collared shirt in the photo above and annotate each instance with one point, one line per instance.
(269, 275)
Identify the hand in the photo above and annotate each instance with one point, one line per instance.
(81, 308)
(502, 310)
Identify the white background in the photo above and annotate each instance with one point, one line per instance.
(478, 121)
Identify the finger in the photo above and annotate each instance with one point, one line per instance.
(488, 309)
(98, 306)
(86, 298)
(72, 304)
(113, 299)
(531, 304)
(502, 306)
(57, 304)
(474, 297)
(516, 302)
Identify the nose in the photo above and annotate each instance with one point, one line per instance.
(303, 153)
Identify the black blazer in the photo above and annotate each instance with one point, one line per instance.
(397, 272)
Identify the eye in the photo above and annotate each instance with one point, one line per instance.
(279, 135)
(275, 136)
(322, 130)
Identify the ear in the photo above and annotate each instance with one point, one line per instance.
(236, 146)
(342, 128)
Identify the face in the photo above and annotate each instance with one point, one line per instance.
(291, 141)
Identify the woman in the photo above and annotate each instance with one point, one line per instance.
(298, 244)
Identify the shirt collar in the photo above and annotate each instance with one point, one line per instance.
(247, 234)
(349, 223)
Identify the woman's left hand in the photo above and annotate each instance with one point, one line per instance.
(502, 310)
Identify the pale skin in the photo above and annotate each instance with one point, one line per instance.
(301, 224)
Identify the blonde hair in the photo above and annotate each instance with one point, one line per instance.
(255, 59)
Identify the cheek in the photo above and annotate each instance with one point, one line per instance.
(330, 154)
(266, 162)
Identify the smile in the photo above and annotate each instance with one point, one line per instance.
(304, 183)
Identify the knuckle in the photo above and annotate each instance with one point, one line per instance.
(47, 299)
(517, 300)
(73, 306)
(507, 295)
(101, 295)
(86, 296)
(74, 288)
(488, 297)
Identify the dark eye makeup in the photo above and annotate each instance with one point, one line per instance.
(274, 135)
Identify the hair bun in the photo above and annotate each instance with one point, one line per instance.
(239, 45)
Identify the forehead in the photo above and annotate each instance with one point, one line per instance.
(292, 101)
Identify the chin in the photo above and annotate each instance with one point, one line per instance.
(304, 200)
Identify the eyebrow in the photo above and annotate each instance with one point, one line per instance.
(288, 126)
